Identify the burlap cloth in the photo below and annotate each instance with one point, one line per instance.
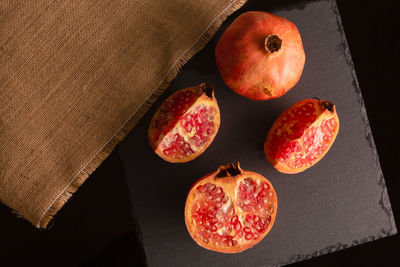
(75, 77)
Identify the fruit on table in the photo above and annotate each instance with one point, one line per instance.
(185, 124)
(260, 55)
(302, 135)
(230, 210)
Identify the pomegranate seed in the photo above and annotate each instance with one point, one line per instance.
(246, 230)
(234, 219)
(211, 187)
(248, 236)
(238, 227)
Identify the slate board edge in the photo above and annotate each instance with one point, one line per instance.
(384, 201)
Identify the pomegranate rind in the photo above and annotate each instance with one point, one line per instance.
(322, 114)
(202, 99)
(229, 185)
(247, 68)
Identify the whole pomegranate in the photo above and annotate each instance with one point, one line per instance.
(185, 124)
(230, 210)
(302, 135)
(260, 55)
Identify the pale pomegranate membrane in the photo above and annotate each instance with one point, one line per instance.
(185, 125)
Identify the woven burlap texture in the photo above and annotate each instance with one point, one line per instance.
(75, 78)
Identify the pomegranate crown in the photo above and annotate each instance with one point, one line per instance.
(229, 170)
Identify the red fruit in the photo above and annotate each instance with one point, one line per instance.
(302, 135)
(230, 210)
(185, 124)
(260, 55)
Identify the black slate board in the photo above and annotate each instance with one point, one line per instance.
(340, 202)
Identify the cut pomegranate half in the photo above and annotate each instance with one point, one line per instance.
(185, 124)
(230, 210)
(302, 135)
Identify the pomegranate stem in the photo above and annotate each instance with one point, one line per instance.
(228, 170)
(328, 105)
(208, 89)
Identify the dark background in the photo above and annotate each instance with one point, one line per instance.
(97, 228)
